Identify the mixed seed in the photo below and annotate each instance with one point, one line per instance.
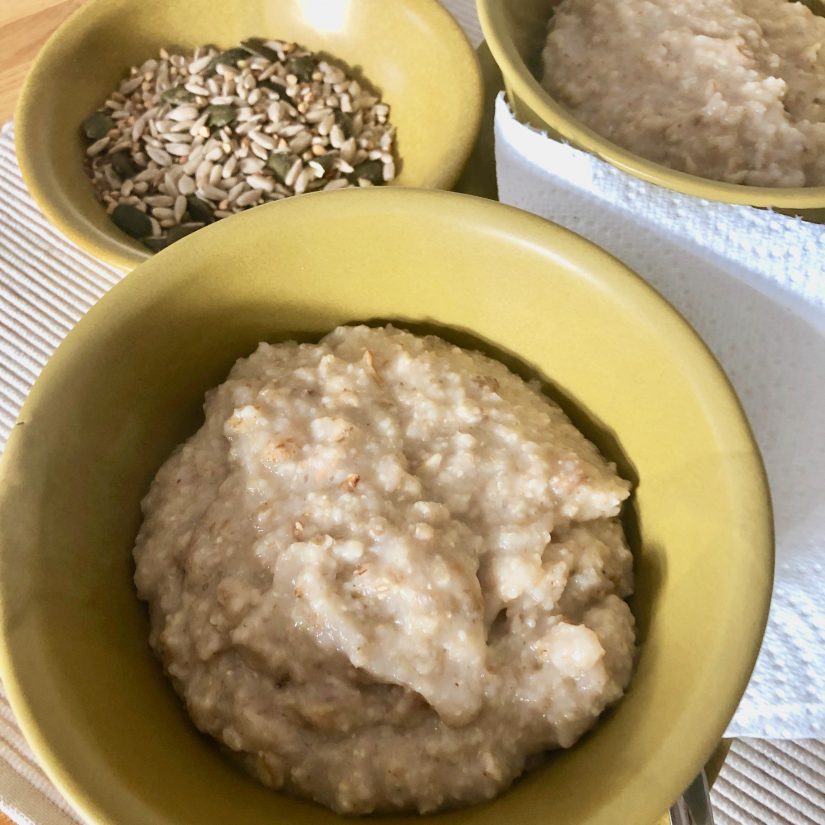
(192, 137)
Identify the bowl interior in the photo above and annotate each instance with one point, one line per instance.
(405, 49)
(515, 31)
(127, 385)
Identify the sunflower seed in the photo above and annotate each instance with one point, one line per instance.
(196, 88)
(214, 154)
(186, 186)
(236, 190)
(178, 149)
(348, 150)
(179, 209)
(248, 198)
(263, 140)
(300, 143)
(292, 175)
(159, 156)
(197, 66)
(202, 172)
(261, 182)
(98, 146)
(212, 192)
(301, 182)
(159, 200)
(259, 151)
(325, 126)
(229, 167)
(183, 113)
(170, 179)
(337, 136)
(129, 86)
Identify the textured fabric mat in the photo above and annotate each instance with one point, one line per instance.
(46, 284)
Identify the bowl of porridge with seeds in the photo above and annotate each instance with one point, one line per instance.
(142, 122)
(462, 519)
(719, 100)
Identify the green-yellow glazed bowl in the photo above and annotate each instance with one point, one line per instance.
(410, 50)
(515, 31)
(127, 385)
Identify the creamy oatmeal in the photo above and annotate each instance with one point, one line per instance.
(727, 89)
(386, 572)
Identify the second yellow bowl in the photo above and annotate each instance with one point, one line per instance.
(411, 50)
(515, 31)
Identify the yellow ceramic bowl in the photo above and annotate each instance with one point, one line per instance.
(127, 385)
(411, 50)
(515, 31)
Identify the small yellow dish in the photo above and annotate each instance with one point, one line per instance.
(127, 385)
(515, 31)
(410, 50)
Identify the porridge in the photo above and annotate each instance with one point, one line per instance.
(386, 572)
(732, 90)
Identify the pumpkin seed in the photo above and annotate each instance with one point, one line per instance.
(371, 170)
(302, 67)
(132, 221)
(154, 244)
(231, 57)
(326, 162)
(279, 164)
(220, 115)
(122, 164)
(273, 86)
(256, 45)
(180, 231)
(177, 94)
(97, 125)
(345, 122)
(199, 210)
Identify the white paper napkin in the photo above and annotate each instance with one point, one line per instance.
(752, 283)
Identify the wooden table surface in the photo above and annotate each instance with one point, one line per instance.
(24, 27)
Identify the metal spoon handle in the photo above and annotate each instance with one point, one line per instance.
(693, 807)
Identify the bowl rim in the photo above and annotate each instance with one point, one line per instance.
(524, 86)
(122, 255)
(747, 473)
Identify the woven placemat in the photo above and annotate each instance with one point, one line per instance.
(46, 285)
